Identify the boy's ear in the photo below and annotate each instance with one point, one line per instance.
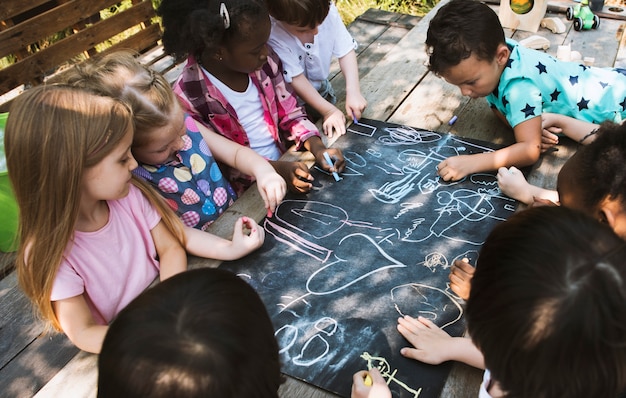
(502, 54)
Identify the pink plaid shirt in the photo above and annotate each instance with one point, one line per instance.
(287, 122)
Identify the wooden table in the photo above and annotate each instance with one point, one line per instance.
(399, 89)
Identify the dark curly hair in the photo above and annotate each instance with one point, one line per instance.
(192, 27)
(597, 171)
(458, 30)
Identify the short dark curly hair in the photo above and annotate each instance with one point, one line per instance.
(597, 171)
(192, 27)
(458, 30)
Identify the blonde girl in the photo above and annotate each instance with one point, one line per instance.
(176, 154)
(92, 237)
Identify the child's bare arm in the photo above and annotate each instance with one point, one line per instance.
(513, 184)
(270, 184)
(78, 324)
(355, 102)
(172, 256)
(525, 151)
(247, 236)
(432, 345)
(334, 119)
(577, 130)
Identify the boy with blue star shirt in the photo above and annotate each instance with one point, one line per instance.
(467, 47)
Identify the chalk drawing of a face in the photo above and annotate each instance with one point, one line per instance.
(430, 302)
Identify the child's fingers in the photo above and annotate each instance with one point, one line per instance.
(463, 267)
(427, 322)
(362, 388)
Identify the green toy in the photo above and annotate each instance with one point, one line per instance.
(582, 15)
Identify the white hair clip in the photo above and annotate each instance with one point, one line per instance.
(225, 16)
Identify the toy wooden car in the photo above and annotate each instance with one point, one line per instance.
(583, 17)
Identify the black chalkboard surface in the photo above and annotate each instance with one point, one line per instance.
(341, 264)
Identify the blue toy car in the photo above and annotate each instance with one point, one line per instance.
(583, 17)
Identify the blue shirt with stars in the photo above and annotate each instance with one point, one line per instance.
(534, 82)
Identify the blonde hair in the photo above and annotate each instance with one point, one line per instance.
(53, 133)
(120, 75)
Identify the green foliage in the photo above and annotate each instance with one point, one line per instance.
(350, 9)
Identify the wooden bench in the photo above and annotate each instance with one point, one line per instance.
(30, 31)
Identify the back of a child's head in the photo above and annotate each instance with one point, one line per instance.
(302, 13)
(53, 133)
(120, 75)
(460, 29)
(596, 172)
(547, 306)
(202, 333)
(192, 27)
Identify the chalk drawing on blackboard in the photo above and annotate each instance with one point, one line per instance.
(362, 129)
(341, 254)
(405, 135)
(435, 261)
(387, 373)
(313, 350)
(429, 301)
(339, 274)
(416, 164)
(287, 335)
(458, 207)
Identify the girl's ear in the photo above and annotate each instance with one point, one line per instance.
(611, 212)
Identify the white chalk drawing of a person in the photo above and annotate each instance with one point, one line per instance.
(388, 374)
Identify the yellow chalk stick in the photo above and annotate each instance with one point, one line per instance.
(367, 380)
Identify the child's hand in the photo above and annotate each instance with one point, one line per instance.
(272, 188)
(431, 344)
(339, 163)
(247, 236)
(295, 174)
(512, 183)
(378, 388)
(334, 122)
(455, 168)
(355, 105)
(460, 278)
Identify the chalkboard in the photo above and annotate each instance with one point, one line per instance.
(341, 264)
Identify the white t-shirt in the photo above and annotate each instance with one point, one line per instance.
(115, 264)
(312, 59)
(482, 392)
(250, 115)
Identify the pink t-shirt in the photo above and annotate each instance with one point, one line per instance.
(115, 264)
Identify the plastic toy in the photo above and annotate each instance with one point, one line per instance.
(583, 17)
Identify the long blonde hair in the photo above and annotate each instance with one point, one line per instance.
(54, 133)
(120, 75)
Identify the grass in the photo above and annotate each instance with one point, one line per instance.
(350, 9)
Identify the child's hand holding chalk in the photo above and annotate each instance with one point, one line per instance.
(369, 384)
(330, 162)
